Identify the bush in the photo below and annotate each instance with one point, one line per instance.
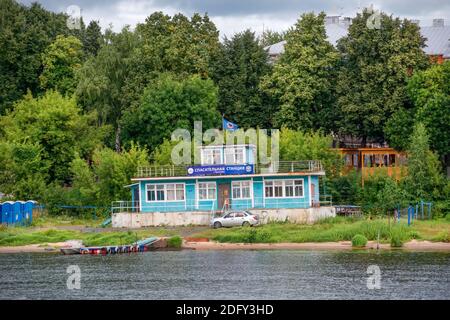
(174, 242)
(396, 239)
(359, 241)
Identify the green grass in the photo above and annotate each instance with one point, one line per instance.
(175, 242)
(330, 230)
(46, 220)
(24, 236)
(359, 241)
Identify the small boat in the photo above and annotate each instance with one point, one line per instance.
(139, 246)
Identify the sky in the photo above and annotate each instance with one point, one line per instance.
(232, 16)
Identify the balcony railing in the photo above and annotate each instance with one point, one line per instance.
(212, 206)
(274, 167)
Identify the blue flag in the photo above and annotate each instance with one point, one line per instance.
(230, 126)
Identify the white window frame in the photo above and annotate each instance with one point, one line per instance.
(238, 184)
(207, 191)
(283, 186)
(165, 192)
(208, 158)
(232, 151)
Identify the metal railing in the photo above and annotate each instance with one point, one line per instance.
(211, 205)
(274, 167)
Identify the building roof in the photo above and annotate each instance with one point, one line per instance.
(437, 39)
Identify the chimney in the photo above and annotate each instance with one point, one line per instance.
(332, 20)
(438, 22)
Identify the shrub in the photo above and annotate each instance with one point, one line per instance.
(359, 241)
(174, 242)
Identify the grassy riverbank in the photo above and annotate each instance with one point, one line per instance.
(47, 230)
(333, 230)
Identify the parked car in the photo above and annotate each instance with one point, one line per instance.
(235, 218)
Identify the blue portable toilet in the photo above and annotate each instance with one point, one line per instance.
(28, 211)
(17, 212)
(7, 212)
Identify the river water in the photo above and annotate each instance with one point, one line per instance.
(228, 275)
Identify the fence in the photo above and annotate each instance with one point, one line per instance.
(420, 210)
(212, 205)
(274, 167)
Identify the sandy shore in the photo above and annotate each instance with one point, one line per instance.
(413, 245)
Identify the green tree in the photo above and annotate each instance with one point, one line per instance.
(170, 44)
(93, 38)
(424, 180)
(169, 104)
(55, 126)
(61, 61)
(301, 145)
(102, 79)
(25, 32)
(238, 72)
(376, 64)
(270, 37)
(302, 80)
(430, 93)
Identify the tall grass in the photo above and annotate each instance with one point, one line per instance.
(330, 230)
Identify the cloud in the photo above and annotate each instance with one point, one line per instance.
(231, 16)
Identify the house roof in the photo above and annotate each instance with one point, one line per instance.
(437, 39)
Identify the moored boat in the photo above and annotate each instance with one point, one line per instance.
(139, 246)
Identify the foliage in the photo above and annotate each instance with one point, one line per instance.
(102, 79)
(430, 93)
(174, 242)
(237, 72)
(329, 230)
(49, 131)
(304, 145)
(170, 104)
(424, 180)
(302, 80)
(359, 241)
(60, 62)
(376, 64)
(270, 37)
(344, 188)
(93, 38)
(174, 44)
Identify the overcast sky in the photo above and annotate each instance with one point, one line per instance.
(231, 16)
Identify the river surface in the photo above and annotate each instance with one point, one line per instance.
(228, 275)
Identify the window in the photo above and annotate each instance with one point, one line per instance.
(283, 188)
(234, 155)
(207, 191)
(211, 156)
(175, 191)
(240, 189)
(269, 189)
(165, 192)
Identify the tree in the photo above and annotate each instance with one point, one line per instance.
(54, 129)
(169, 104)
(61, 61)
(376, 64)
(93, 38)
(270, 37)
(303, 145)
(102, 80)
(170, 44)
(302, 80)
(430, 93)
(238, 72)
(25, 32)
(424, 180)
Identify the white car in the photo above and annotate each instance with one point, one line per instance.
(235, 218)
